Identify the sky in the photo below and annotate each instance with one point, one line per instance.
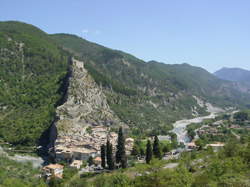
(207, 33)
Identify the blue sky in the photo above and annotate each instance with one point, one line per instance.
(206, 33)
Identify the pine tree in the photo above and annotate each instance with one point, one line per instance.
(121, 153)
(109, 156)
(103, 155)
(148, 152)
(156, 148)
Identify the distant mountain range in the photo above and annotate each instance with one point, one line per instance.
(234, 74)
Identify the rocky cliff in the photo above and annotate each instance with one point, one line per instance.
(83, 121)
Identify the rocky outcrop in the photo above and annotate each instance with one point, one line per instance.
(85, 110)
(86, 104)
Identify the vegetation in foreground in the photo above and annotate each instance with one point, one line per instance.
(229, 167)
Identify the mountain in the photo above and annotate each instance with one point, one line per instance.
(233, 74)
(36, 81)
(150, 95)
(32, 74)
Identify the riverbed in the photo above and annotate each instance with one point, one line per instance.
(180, 127)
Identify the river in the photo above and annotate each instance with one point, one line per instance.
(180, 127)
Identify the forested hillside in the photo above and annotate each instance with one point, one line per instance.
(151, 94)
(147, 96)
(31, 82)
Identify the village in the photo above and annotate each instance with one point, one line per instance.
(75, 151)
(84, 125)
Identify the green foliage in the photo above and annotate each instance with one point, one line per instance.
(109, 155)
(116, 180)
(14, 174)
(90, 161)
(135, 151)
(120, 149)
(32, 74)
(89, 130)
(68, 172)
(156, 148)
(149, 96)
(149, 152)
(164, 177)
(241, 116)
(103, 156)
(194, 169)
(191, 129)
(200, 143)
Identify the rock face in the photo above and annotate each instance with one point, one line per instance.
(86, 104)
(84, 119)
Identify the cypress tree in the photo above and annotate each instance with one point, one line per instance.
(135, 151)
(109, 156)
(148, 152)
(156, 148)
(120, 149)
(103, 155)
(90, 161)
(124, 161)
(142, 152)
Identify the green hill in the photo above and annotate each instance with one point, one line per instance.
(31, 74)
(147, 96)
(150, 94)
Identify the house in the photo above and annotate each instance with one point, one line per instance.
(217, 123)
(164, 138)
(216, 146)
(55, 170)
(129, 144)
(191, 145)
(97, 160)
(73, 153)
(83, 154)
(76, 164)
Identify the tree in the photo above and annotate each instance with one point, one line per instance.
(156, 148)
(124, 162)
(231, 149)
(200, 144)
(241, 116)
(90, 161)
(148, 152)
(135, 150)
(109, 155)
(142, 151)
(166, 149)
(103, 156)
(121, 153)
